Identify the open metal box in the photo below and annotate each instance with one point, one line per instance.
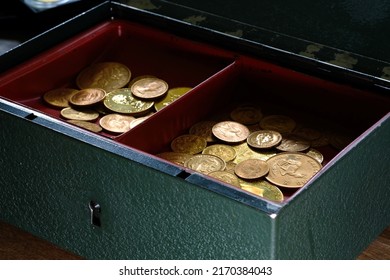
(109, 196)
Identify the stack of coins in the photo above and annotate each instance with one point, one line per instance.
(108, 99)
(268, 156)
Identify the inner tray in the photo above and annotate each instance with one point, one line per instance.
(145, 51)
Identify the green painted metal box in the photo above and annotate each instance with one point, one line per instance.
(109, 196)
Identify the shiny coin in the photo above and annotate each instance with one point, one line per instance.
(149, 88)
(226, 177)
(123, 101)
(230, 167)
(205, 163)
(188, 144)
(264, 139)
(105, 75)
(137, 121)
(178, 158)
(293, 143)
(172, 95)
(291, 170)
(263, 188)
(87, 125)
(225, 152)
(315, 154)
(243, 152)
(59, 97)
(279, 123)
(81, 115)
(87, 97)
(139, 78)
(116, 123)
(204, 129)
(230, 131)
(251, 169)
(246, 115)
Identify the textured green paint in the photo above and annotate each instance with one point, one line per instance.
(48, 179)
(345, 209)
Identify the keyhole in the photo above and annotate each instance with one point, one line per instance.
(95, 209)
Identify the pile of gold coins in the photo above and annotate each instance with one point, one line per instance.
(107, 93)
(264, 155)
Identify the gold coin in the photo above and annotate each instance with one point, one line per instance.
(149, 88)
(172, 95)
(243, 152)
(116, 123)
(226, 177)
(225, 152)
(105, 75)
(178, 158)
(189, 144)
(230, 165)
(59, 97)
(291, 169)
(87, 125)
(264, 139)
(251, 169)
(246, 115)
(205, 163)
(123, 101)
(263, 188)
(315, 154)
(230, 131)
(87, 97)
(204, 129)
(279, 123)
(293, 143)
(80, 115)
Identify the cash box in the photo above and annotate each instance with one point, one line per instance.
(110, 196)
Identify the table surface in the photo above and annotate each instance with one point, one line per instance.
(16, 244)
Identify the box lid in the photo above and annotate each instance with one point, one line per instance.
(348, 34)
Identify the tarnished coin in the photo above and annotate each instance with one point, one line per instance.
(122, 101)
(226, 177)
(87, 125)
(116, 123)
(264, 139)
(149, 88)
(105, 75)
(308, 133)
(188, 144)
(205, 163)
(339, 141)
(230, 131)
(279, 123)
(291, 170)
(81, 115)
(243, 152)
(204, 129)
(59, 97)
(263, 188)
(172, 95)
(251, 169)
(246, 115)
(293, 143)
(88, 96)
(178, 158)
(225, 152)
(315, 154)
